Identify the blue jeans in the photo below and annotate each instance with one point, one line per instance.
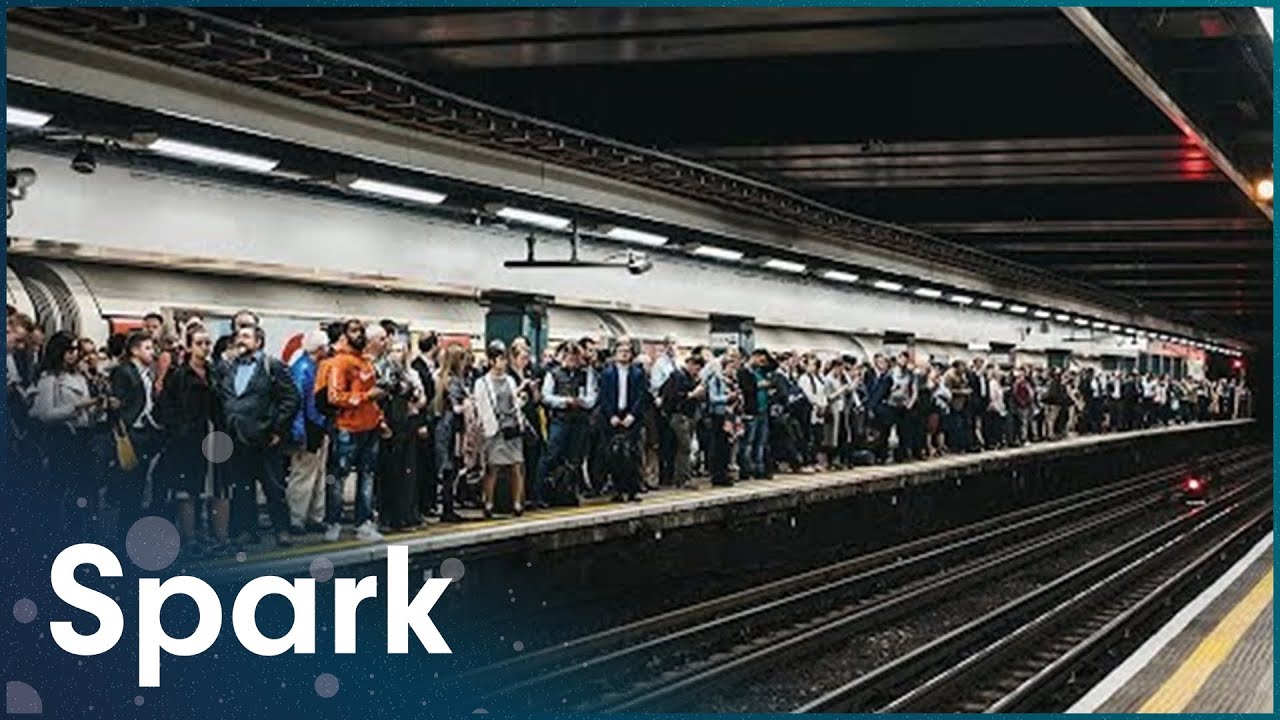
(351, 451)
(752, 446)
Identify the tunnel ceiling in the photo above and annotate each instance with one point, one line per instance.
(1002, 129)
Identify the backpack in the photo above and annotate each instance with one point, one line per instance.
(624, 464)
(561, 488)
(321, 395)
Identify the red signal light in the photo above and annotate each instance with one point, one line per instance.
(1193, 484)
(1237, 364)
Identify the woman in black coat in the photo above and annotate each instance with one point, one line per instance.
(188, 410)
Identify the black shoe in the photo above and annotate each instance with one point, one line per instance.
(518, 510)
(488, 512)
(451, 517)
(297, 530)
(725, 483)
(313, 528)
(635, 498)
(619, 497)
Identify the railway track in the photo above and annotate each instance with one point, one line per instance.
(1031, 652)
(662, 661)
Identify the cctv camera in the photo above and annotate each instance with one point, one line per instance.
(21, 178)
(84, 162)
(638, 263)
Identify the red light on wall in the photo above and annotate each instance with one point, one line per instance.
(1237, 364)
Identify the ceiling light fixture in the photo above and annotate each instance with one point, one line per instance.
(529, 217)
(1264, 190)
(928, 293)
(212, 156)
(1042, 314)
(718, 253)
(638, 237)
(1018, 309)
(840, 276)
(991, 304)
(1062, 317)
(19, 117)
(784, 265)
(398, 192)
(961, 299)
(888, 285)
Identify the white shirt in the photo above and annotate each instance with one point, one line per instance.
(148, 386)
(623, 372)
(663, 366)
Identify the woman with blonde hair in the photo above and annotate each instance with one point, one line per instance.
(448, 406)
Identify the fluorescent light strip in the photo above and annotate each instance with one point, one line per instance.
(1061, 317)
(19, 117)
(718, 253)
(840, 276)
(784, 265)
(636, 236)
(1042, 314)
(961, 299)
(991, 304)
(1018, 309)
(1113, 328)
(1098, 324)
(1082, 322)
(399, 192)
(887, 285)
(928, 293)
(554, 222)
(212, 156)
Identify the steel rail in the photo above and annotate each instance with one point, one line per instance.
(950, 661)
(1001, 527)
(844, 579)
(1033, 692)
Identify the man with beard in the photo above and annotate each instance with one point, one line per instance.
(354, 394)
(258, 402)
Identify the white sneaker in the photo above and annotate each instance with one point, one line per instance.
(368, 532)
(333, 532)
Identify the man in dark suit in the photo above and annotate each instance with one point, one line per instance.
(133, 389)
(623, 389)
(882, 412)
(424, 365)
(259, 401)
(978, 405)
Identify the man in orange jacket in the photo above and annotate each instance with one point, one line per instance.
(350, 384)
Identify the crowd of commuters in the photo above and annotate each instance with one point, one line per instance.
(199, 425)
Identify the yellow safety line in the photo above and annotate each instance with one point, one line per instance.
(1176, 692)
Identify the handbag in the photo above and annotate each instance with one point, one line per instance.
(508, 432)
(126, 457)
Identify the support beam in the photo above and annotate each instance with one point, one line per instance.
(1197, 245)
(1093, 29)
(1053, 227)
